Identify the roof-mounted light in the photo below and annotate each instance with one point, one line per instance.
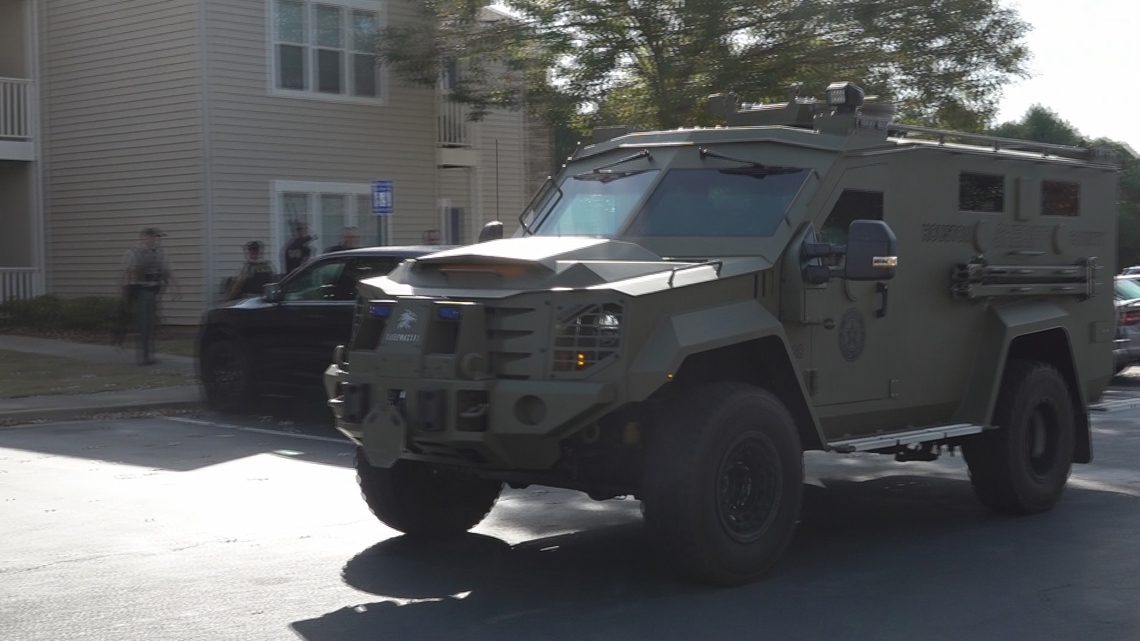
(844, 96)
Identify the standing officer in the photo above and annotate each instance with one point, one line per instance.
(349, 239)
(255, 274)
(145, 273)
(298, 252)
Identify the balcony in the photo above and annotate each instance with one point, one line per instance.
(453, 133)
(17, 119)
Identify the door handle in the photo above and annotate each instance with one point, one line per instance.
(882, 289)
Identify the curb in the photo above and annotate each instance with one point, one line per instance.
(124, 410)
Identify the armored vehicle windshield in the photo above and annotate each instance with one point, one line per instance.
(743, 201)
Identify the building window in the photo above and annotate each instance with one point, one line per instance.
(327, 50)
(327, 208)
(1060, 198)
(984, 193)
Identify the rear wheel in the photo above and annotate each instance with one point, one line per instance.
(225, 375)
(1022, 467)
(724, 483)
(424, 500)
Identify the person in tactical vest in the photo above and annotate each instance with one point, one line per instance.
(255, 274)
(145, 273)
(298, 252)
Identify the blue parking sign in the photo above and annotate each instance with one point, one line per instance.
(382, 201)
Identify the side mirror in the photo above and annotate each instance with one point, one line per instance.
(272, 293)
(491, 231)
(872, 251)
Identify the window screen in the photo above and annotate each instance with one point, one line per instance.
(1060, 198)
(981, 193)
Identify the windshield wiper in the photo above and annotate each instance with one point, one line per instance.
(608, 176)
(755, 169)
(597, 172)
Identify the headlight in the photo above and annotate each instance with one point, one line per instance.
(586, 335)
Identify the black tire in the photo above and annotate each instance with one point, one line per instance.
(703, 464)
(424, 500)
(1022, 467)
(226, 380)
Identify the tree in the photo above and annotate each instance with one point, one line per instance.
(652, 63)
(1040, 124)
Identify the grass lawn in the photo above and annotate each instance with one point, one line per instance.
(35, 375)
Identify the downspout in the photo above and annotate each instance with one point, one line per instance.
(208, 289)
(39, 196)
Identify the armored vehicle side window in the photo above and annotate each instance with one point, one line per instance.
(750, 201)
(983, 193)
(1060, 198)
(853, 204)
(595, 203)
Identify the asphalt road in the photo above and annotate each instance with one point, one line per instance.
(251, 528)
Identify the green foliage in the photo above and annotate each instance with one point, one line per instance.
(1040, 124)
(653, 63)
(95, 313)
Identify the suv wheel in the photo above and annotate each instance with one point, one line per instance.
(424, 500)
(1022, 467)
(724, 483)
(225, 375)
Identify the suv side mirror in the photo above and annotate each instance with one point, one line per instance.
(272, 293)
(491, 231)
(872, 251)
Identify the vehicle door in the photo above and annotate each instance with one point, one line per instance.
(851, 338)
(293, 336)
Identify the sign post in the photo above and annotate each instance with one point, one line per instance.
(383, 203)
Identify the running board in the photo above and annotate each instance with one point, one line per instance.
(898, 439)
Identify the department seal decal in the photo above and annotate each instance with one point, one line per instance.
(406, 321)
(852, 335)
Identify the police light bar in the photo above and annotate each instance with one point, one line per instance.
(844, 95)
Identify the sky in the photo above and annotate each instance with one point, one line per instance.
(1085, 53)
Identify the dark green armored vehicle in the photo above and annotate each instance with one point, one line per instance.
(684, 313)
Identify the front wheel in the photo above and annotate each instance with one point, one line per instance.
(225, 372)
(724, 483)
(1022, 467)
(424, 500)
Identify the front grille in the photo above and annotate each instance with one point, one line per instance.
(510, 342)
(586, 335)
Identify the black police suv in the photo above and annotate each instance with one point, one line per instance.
(285, 338)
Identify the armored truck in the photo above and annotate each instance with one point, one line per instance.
(683, 313)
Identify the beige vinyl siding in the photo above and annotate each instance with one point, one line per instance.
(508, 127)
(122, 141)
(257, 138)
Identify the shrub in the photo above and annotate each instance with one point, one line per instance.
(92, 313)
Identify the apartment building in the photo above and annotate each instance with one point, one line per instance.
(220, 122)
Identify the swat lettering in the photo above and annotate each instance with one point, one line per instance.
(403, 338)
(933, 233)
(1086, 238)
(1021, 236)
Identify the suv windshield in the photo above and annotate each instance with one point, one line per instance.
(595, 203)
(1127, 289)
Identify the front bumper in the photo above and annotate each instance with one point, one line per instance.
(494, 424)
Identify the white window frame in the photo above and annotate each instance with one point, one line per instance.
(310, 91)
(314, 190)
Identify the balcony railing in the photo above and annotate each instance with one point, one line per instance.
(454, 129)
(15, 109)
(20, 282)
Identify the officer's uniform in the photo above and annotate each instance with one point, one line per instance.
(254, 276)
(297, 253)
(147, 272)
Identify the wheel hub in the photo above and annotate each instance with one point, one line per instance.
(748, 487)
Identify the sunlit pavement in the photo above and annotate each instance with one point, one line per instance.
(220, 528)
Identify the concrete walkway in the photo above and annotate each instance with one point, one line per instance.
(14, 411)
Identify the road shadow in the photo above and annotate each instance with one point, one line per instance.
(890, 557)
